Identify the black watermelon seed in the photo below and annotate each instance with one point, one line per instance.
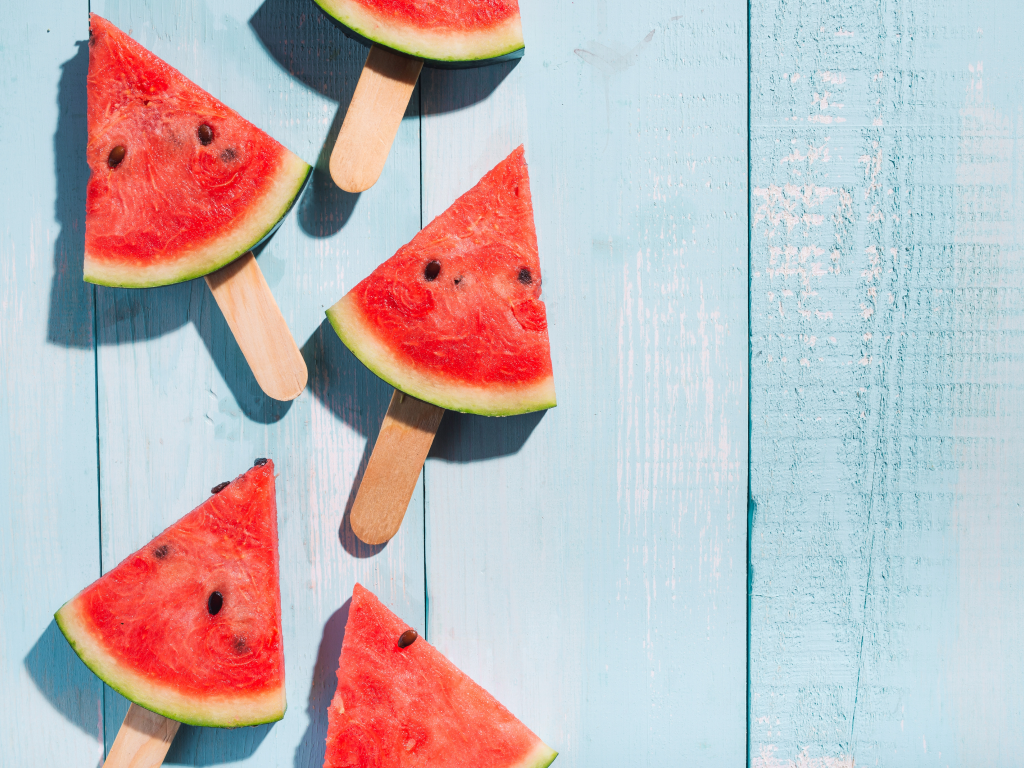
(205, 134)
(432, 270)
(228, 155)
(219, 487)
(524, 276)
(407, 638)
(259, 462)
(161, 552)
(116, 156)
(215, 603)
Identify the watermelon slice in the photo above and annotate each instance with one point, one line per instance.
(401, 703)
(181, 184)
(438, 30)
(455, 317)
(190, 625)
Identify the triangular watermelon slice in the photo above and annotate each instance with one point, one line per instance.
(190, 625)
(447, 31)
(455, 317)
(400, 704)
(181, 184)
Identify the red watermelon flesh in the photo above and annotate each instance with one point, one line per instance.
(412, 708)
(196, 186)
(153, 629)
(441, 30)
(473, 337)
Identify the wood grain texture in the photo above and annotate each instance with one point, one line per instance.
(50, 704)
(587, 564)
(886, 337)
(393, 471)
(372, 119)
(258, 327)
(179, 408)
(142, 740)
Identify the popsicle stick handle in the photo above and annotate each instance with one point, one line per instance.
(373, 117)
(248, 305)
(390, 478)
(143, 740)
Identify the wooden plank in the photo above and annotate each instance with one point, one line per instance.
(587, 565)
(179, 409)
(886, 443)
(49, 542)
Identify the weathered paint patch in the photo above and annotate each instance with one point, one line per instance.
(885, 295)
(766, 759)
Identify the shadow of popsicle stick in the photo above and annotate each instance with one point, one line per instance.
(132, 315)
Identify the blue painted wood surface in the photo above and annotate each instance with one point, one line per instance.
(886, 367)
(587, 565)
(613, 526)
(50, 704)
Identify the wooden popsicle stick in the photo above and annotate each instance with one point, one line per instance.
(390, 478)
(142, 741)
(371, 122)
(248, 305)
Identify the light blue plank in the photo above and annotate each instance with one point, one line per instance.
(179, 409)
(49, 541)
(588, 566)
(886, 294)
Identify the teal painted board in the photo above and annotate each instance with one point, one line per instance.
(588, 564)
(179, 408)
(49, 541)
(886, 296)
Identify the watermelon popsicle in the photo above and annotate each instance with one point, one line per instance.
(403, 36)
(188, 628)
(453, 321)
(400, 702)
(183, 187)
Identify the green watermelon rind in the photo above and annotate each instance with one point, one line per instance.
(486, 400)
(219, 712)
(541, 757)
(430, 44)
(258, 223)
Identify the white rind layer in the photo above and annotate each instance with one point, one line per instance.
(216, 711)
(437, 44)
(490, 400)
(259, 221)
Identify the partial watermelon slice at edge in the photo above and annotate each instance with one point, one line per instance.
(139, 627)
(410, 705)
(433, 39)
(173, 209)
